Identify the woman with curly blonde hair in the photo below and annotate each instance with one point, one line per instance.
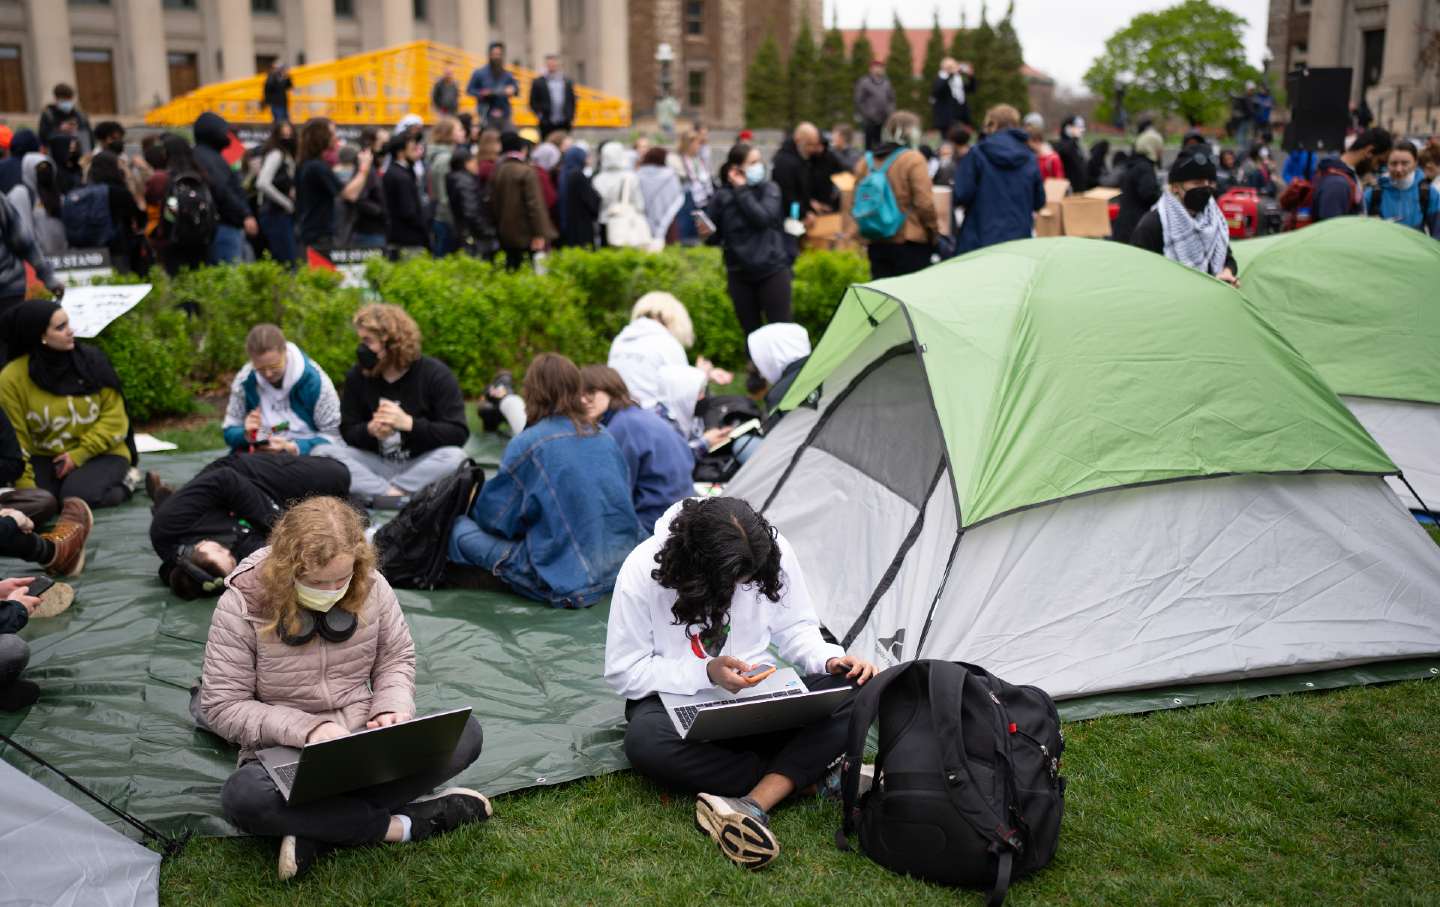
(308, 644)
(402, 415)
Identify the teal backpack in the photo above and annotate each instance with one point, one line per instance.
(876, 211)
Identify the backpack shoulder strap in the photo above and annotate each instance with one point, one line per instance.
(1372, 204)
(862, 714)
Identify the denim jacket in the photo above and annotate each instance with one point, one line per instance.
(564, 498)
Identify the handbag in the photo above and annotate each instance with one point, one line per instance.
(625, 225)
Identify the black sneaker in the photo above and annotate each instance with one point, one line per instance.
(297, 855)
(18, 695)
(445, 811)
(739, 827)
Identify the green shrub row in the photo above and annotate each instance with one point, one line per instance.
(188, 335)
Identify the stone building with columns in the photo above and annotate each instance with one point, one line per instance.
(128, 56)
(131, 55)
(1380, 40)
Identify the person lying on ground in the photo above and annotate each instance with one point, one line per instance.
(402, 414)
(659, 460)
(697, 605)
(658, 334)
(280, 401)
(308, 644)
(67, 408)
(555, 522)
(1187, 225)
(224, 514)
(681, 388)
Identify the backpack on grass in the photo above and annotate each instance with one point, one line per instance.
(876, 211)
(413, 545)
(85, 211)
(968, 790)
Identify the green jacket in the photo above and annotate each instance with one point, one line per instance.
(48, 425)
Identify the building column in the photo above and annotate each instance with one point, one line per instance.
(397, 22)
(611, 69)
(150, 74)
(472, 18)
(732, 60)
(237, 39)
(1401, 63)
(1327, 19)
(317, 21)
(52, 55)
(544, 31)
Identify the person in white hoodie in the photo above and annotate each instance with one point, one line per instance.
(615, 180)
(658, 334)
(697, 605)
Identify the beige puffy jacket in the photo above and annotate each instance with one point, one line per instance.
(257, 691)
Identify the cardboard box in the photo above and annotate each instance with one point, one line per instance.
(828, 232)
(1103, 193)
(1056, 190)
(944, 210)
(1081, 216)
(1047, 221)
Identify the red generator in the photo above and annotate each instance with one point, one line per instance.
(1250, 214)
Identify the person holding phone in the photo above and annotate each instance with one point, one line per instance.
(308, 644)
(699, 604)
(17, 605)
(748, 218)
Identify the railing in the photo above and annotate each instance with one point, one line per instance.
(374, 88)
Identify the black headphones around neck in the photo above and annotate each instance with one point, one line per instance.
(335, 625)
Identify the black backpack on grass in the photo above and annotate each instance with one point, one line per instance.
(968, 789)
(413, 546)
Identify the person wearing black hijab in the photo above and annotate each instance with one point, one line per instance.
(65, 152)
(65, 402)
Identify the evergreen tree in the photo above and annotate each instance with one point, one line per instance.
(935, 51)
(1009, 85)
(766, 99)
(862, 52)
(962, 44)
(982, 57)
(834, 87)
(900, 68)
(802, 77)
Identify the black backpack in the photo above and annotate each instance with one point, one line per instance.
(412, 546)
(968, 789)
(85, 212)
(189, 212)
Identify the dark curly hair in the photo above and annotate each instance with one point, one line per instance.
(714, 545)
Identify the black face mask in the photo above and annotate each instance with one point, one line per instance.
(366, 357)
(116, 147)
(1198, 199)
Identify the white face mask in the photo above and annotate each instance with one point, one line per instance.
(65, 106)
(755, 173)
(320, 600)
(1406, 183)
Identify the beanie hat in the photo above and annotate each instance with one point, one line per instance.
(1193, 164)
(511, 142)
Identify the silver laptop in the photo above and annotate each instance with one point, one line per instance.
(364, 758)
(778, 703)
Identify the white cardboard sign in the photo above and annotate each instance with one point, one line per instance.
(91, 309)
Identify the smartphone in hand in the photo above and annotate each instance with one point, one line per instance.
(758, 673)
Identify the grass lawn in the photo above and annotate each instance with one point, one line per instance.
(1321, 798)
(1303, 799)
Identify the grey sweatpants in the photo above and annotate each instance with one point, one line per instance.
(372, 475)
(14, 656)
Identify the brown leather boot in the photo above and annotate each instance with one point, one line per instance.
(68, 537)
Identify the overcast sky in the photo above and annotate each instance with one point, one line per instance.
(1061, 37)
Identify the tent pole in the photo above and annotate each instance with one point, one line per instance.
(1415, 494)
(944, 581)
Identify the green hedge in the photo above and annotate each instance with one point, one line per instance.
(188, 335)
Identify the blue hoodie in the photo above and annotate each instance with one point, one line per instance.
(999, 186)
(1403, 205)
(659, 459)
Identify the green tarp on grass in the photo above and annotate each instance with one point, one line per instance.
(115, 672)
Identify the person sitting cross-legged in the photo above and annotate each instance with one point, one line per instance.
(402, 414)
(308, 644)
(281, 400)
(556, 521)
(60, 551)
(697, 606)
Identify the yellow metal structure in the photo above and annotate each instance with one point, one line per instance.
(375, 88)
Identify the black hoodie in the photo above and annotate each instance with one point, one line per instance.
(212, 136)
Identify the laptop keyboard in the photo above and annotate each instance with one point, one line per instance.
(287, 772)
(688, 713)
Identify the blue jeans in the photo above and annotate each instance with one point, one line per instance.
(469, 544)
(280, 114)
(227, 246)
(279, 230)
(442, 243)
(367, 240)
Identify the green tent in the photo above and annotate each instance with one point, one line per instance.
(1089, 468)
(1360, 298)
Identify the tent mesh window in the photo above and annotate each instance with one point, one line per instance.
(884, 426)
